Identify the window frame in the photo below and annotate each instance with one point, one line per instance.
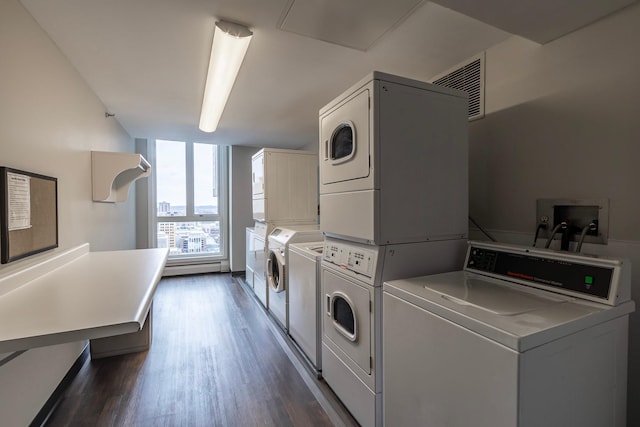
(190, 216)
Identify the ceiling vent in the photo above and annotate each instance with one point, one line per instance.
(469, 77)
(357, 24)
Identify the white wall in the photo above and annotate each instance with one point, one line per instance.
(142, 200)
(562, 123)
(49, 122)
(312, 146)
(240, 209)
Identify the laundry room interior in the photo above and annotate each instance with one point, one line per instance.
(399, 213)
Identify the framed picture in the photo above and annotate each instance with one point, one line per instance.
(28, 214)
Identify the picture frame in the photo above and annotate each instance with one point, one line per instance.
(28, 214)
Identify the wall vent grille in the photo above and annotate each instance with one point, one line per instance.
(468, 77)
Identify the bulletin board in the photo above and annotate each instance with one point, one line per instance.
(28, 214)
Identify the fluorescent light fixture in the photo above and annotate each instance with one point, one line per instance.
(230, 43)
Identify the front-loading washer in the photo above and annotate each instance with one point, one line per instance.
(521, 337)
(351, 277)
(277, 262)
(258, 252)
(305, 316)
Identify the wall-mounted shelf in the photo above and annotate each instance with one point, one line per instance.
(97, 295)
(113, 173)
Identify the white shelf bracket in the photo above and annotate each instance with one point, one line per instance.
(113, 173)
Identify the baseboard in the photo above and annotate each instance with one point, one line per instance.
(56, 397)
(182, 270)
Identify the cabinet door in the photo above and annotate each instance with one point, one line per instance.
(258, 248)
(257, 175)
(250, 258)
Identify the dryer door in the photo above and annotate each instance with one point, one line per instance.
(275, 269)
(347, 317)
(344, 140)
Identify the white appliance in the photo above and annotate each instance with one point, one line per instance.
(255, 272)
(250, 258)
(257, 251)
(277, 262)
(394, 162)
(521, 337)
(351, 275)
(305, 326)
(285, 186)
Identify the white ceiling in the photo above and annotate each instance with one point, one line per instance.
(147, 59)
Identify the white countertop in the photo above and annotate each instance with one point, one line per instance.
(76, 295)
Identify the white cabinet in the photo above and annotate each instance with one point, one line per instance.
(259, 272)
(257, 175)
(285, 186)
(250, 258)
(256, 262)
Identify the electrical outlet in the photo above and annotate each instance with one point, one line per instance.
(577, 213)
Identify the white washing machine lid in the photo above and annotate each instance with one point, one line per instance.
(286, 235)
(309, 249)
(518, 317)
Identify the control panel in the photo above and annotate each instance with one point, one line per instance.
(351, 257)
(568, 274)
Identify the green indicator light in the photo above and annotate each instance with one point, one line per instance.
(588, 280)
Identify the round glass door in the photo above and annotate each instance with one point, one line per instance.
(343, 143)
(343, 316)
(275, 270)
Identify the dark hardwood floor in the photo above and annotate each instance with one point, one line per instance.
(213, 362)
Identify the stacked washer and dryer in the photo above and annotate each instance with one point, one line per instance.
(285, 208)
(394, 204)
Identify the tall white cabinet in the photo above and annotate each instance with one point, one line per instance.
(285, 186)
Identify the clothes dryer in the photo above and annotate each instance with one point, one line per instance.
(277, 264)
(521, 337)
(394, 162)
(351, 276)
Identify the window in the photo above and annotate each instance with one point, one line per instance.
(190, 201)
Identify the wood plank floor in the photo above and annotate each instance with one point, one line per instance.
(213, 362)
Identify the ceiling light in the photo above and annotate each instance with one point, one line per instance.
(230, 43)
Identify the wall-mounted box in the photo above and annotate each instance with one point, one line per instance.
(113, 173)
(578, 213)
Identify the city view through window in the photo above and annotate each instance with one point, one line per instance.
(187, 194)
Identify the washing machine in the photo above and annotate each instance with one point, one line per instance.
(277, 264)
(305, 326)
(351, 275)
(388, 148)
(520, 337)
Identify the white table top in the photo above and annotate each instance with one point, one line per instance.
(77, 295)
